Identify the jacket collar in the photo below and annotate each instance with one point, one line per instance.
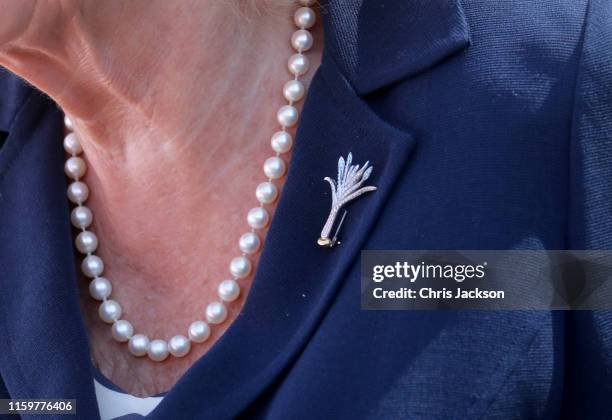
(379, 42)
(296, 281)
(44, 349)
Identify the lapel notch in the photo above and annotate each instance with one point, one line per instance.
(379, 42)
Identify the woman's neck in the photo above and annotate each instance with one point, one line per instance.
(174, 103)
(166, 63)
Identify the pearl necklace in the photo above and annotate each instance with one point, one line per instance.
(249, 244)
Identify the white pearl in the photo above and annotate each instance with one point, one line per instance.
(92, 266)
(266, 192)
(78, 192)
(307, 2)
(81, 217)
(301, 40)
(287, 115)
(100, 288)
(72, 146)
(298, 64)
(249, 243)
(86, 242)
(240, 267)
(179, 346)
(274, 167)
(68, 123)
(304, 17)
(138, 345)
(109, 311)
(122, 331)
(199, 331)
(228, 290)
(216, 313)
(75, 167)
(281, 142)
(158, 350)
(258, 218)
(293, 90)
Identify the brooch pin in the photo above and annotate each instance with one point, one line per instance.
(347, 187)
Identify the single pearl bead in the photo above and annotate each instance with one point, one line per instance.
(298, 64)
(122, 331)
(81, 217)
(68, 123)
(72, 146)
(199, 331)
(158, 350)
(100, 288)
(75, 167)
(293, 90)
(109, 311)
(92, 266)
(266, 192)
(249, 243)
(287, 115)
(228, 290)
(304, 17)
(240, 267)
(258, 218)
(216, 313)
(138, 345)
(281, 142)
(301, 40)
(307, 2)
(78, 192)
(274, 167)
(179, 346)
(86, 242)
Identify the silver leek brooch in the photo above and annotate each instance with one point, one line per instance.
(347, 187)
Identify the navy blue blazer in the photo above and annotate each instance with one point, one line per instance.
(489, 124)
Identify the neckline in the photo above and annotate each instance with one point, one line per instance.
(106, 382)
(114, 404)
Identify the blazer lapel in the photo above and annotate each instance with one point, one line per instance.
(296, 280)
(44, 349)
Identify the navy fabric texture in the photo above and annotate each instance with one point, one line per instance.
(489, 126)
